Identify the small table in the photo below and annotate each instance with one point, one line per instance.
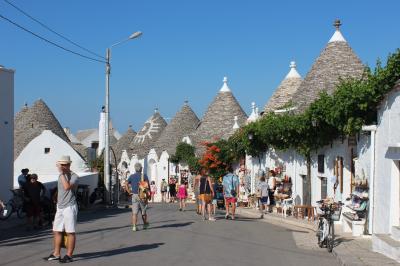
(304, 210)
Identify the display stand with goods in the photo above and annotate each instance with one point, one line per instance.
(355, 215)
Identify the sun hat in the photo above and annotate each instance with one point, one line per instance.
(65, 159)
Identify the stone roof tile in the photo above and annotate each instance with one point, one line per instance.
(183, 124)
(146, 138)
(30, 123)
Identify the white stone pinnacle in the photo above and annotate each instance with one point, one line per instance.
(253, 116)
(235, 124)
(293, 72)
(337, 37)
(225, 87)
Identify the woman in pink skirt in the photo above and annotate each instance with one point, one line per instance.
(182, 195)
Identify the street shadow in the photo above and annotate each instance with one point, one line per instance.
(114, 252)
(243, 219)
(18, 233)
(175, 225)
(297, 231)
(100, 212)
(340, 240)
(18, 236)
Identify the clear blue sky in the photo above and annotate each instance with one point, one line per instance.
(186, 49)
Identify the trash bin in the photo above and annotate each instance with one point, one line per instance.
(82, 195)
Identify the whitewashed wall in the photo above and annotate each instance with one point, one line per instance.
(135, 160)
(387, 186)
(44, 165)
(296, 168)
(87, 142)
(6, 132)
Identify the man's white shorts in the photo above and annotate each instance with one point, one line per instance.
(65, 219)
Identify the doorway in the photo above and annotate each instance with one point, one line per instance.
(395, 194)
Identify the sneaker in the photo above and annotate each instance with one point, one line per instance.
(262, 216)
(145, 226)
(226, 216)
(134, 229)
(52, 257)
(180, 209)
(233, 217)
(211, 219)
(66, 259)
(204, 218)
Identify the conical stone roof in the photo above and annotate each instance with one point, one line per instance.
(336, 61)
(219, 119)
(183, 124)
(124, 142)
(284, 93)
(148, 135)
(30, 123)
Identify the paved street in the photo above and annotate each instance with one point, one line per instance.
(174, 238)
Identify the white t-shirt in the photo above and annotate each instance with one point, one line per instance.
(271, 182)
(263, 188)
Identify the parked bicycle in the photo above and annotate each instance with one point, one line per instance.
(326, 229)
(15, 204)
(4, 211)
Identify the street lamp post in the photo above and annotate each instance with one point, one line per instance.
(107, 116)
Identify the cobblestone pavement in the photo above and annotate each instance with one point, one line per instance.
(350, 251)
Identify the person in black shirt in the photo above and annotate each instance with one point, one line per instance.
(33, 191)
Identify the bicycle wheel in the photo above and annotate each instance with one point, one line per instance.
(21, 213)
(330, 239)
(6, 212)
(320, 242)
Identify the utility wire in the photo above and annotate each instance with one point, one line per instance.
(48, 41)
(53, 31)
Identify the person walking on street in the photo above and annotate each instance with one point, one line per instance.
(230, 185)
(139, 202)
(163, 188)
(67, 210)
(263, 192)
(215, 198)
(23, 178)
(34, 191)
(153, 190)
(206, 194)
(172, 190)
(271, 189)
(182, 195)
(196, 188)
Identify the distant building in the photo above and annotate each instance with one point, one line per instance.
(92, 138)
(6, 131)
(219, 119)
(183, 124)
(283, 95)
(40, 141)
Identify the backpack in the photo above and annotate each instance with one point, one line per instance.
(144, 190)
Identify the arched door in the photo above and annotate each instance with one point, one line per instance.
(152, 171)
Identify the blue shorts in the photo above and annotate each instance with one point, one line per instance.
(264, 200)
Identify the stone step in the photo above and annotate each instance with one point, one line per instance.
(396, 233)
(385, 244)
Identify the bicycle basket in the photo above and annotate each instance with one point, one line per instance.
(336, 214)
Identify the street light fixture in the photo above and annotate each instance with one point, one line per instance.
(107, 115)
